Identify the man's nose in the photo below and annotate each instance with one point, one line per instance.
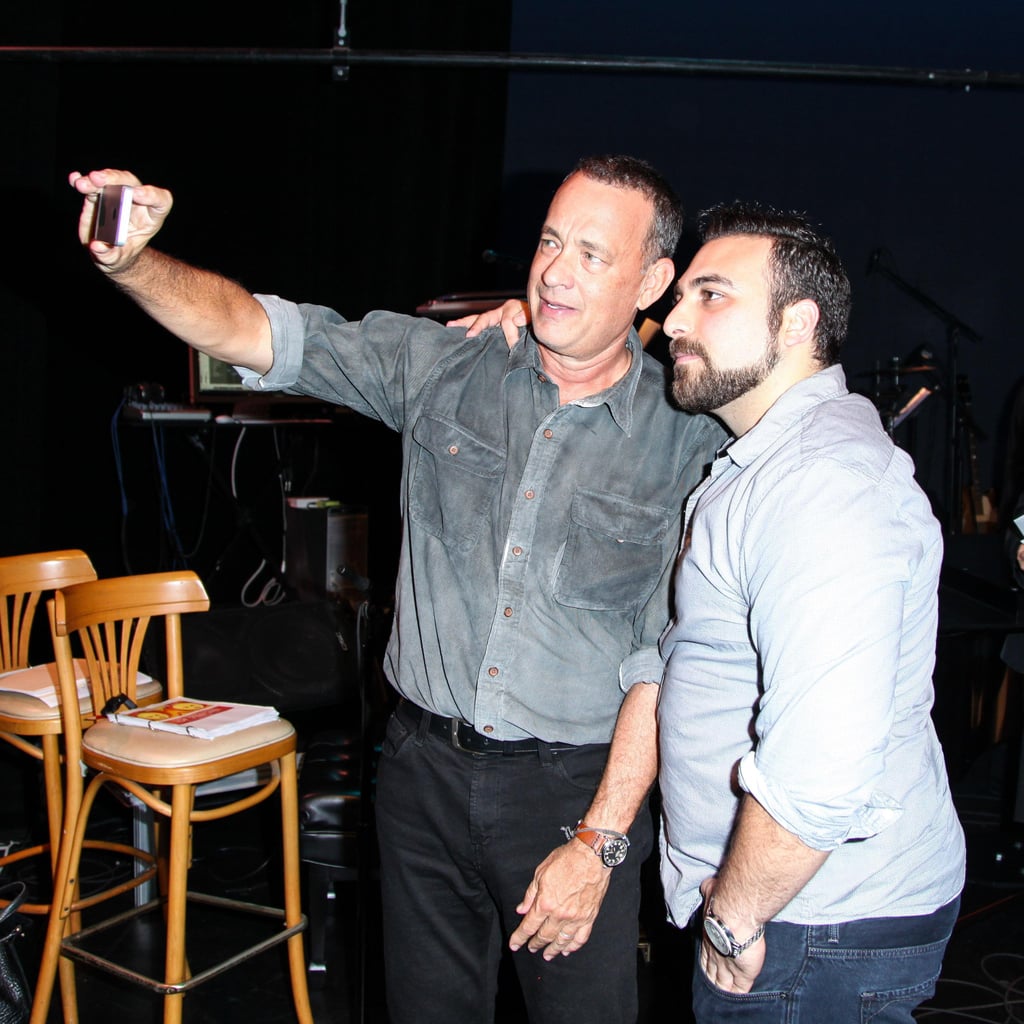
(557, 273)
(677, 322)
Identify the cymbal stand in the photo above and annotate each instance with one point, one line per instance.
(955, 328)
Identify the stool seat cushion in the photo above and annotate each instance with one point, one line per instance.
(107, 742)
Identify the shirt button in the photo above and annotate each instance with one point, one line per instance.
(542, 378)
(488, 728)
(528, 495)
(517, 551)
(492, 671)
(549, 433)
(508, 613)
(453, 449)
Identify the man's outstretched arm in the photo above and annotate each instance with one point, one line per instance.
(207, 311)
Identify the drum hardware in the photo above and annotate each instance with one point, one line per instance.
(881, 263)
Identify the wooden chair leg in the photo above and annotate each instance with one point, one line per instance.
(68, 991)
(160, 845)
(292, 886)
(175, 969)
(59, 922)
(53, 784)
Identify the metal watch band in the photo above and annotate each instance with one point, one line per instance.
(720, 934)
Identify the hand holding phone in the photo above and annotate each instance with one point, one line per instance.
(113, 211)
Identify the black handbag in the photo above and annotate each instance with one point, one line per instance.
(15, 997)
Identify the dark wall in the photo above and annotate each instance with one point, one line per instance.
(382, 190)
(373, 191)
(926, 175)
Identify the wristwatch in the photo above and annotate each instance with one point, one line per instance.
(722, 938)
(609, 845)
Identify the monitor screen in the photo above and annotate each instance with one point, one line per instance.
(212, 382)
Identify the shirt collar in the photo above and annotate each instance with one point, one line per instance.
(788, 408)
(619, 397)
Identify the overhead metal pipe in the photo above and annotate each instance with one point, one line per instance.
(340, 59)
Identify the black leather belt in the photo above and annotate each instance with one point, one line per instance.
(462, 736)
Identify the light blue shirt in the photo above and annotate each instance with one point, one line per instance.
(799, 665)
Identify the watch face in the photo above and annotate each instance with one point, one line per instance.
(720, 939)
(613, 851)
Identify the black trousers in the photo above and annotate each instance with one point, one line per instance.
(460, 836)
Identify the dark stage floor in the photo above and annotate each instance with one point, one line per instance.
(983, 976)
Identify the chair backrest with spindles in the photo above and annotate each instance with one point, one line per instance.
(23, 580)
(110, 617)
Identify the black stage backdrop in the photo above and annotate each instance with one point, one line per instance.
(383, 188)
(379, 190)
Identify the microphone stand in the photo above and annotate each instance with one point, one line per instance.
(955, 328)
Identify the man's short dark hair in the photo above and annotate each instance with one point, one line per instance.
(632, 173)
(803, 265)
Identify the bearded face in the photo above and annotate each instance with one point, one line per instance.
(701, 386)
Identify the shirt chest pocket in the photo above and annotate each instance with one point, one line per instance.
(455, 479)
(614, 552)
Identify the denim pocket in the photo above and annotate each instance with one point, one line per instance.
(455, 479)
(396, 735)
(875, 1006)
(613, 555)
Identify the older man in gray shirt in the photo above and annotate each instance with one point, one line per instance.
(542, 489)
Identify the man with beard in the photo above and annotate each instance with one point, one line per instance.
(808, 829)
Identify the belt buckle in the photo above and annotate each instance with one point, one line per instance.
(456, 722)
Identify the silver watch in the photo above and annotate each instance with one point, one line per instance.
(722, 938)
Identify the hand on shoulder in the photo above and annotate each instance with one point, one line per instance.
(512, 315)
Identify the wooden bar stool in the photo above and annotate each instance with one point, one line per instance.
(109, 620)
(29, 722)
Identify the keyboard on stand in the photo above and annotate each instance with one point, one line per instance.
(164, 412)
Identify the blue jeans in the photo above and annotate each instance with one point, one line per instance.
(874, 971)
(460, 836)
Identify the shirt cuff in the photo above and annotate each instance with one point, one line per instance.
(818, 826)
(286, 334)
(643, 666)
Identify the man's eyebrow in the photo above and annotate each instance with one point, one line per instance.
(581, 243)
(699, 282)
(595, 247)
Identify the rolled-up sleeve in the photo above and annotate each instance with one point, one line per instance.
(287, 332)
(830, 645)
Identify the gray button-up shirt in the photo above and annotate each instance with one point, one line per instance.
(538, 538)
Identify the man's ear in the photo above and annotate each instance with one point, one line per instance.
(799, 323)
(659, 276)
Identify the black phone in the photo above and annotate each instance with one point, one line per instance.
(113, 210)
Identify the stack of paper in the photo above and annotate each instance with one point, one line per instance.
(40, 681)
(203, 719)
